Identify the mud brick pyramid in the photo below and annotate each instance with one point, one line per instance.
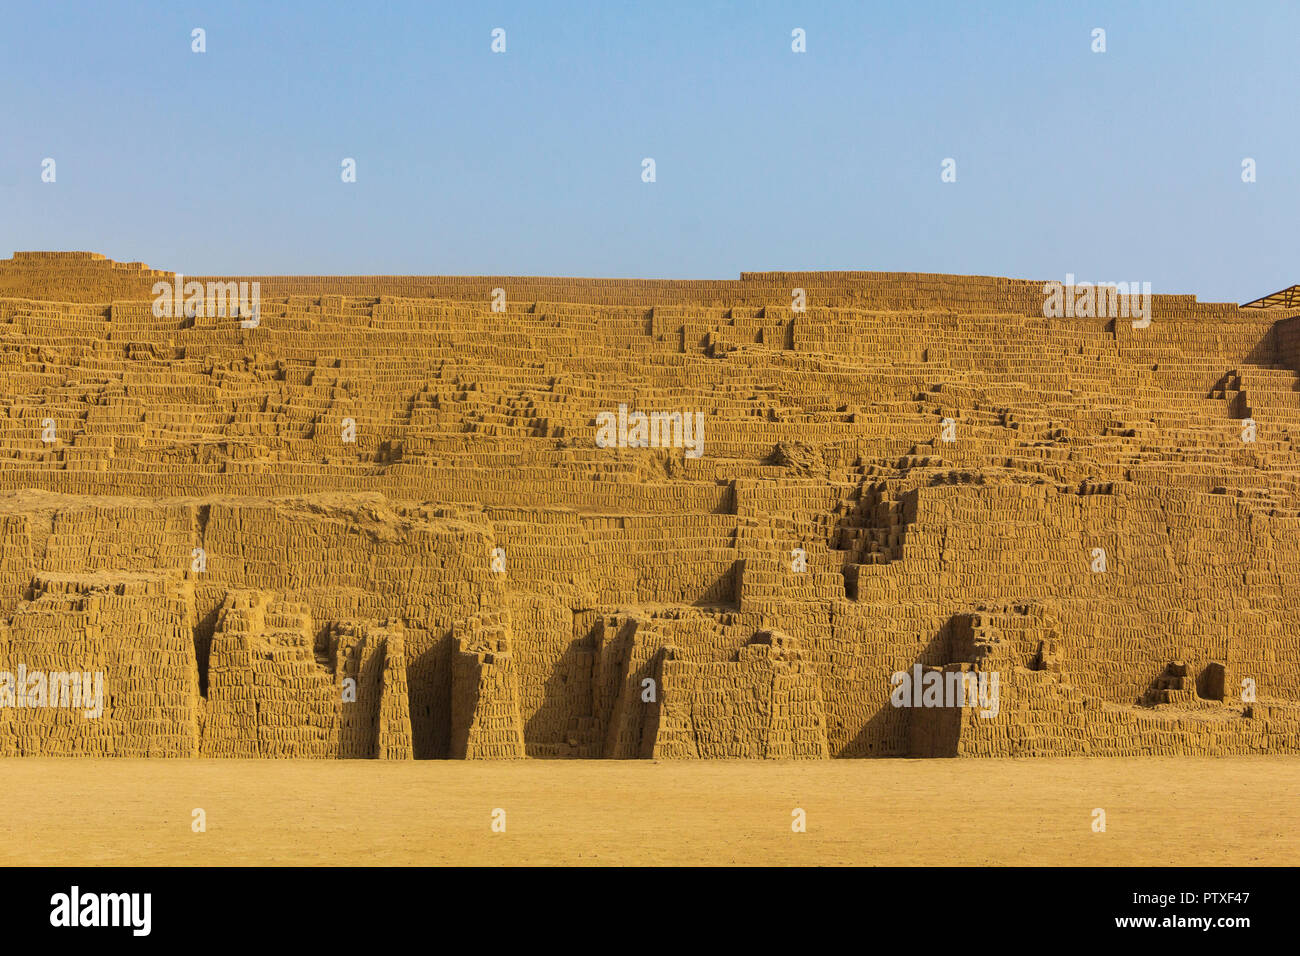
(475, 577)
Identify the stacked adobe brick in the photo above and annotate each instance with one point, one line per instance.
(390, 483)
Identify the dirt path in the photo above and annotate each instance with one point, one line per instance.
(1224, 811)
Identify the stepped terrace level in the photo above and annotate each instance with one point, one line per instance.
(375, 518)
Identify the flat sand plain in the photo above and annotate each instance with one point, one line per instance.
(1159, 811)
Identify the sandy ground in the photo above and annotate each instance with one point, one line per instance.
(1216, 811)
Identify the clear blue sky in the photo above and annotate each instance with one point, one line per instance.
(1123, 165)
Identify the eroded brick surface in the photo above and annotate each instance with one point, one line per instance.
(487, 581)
